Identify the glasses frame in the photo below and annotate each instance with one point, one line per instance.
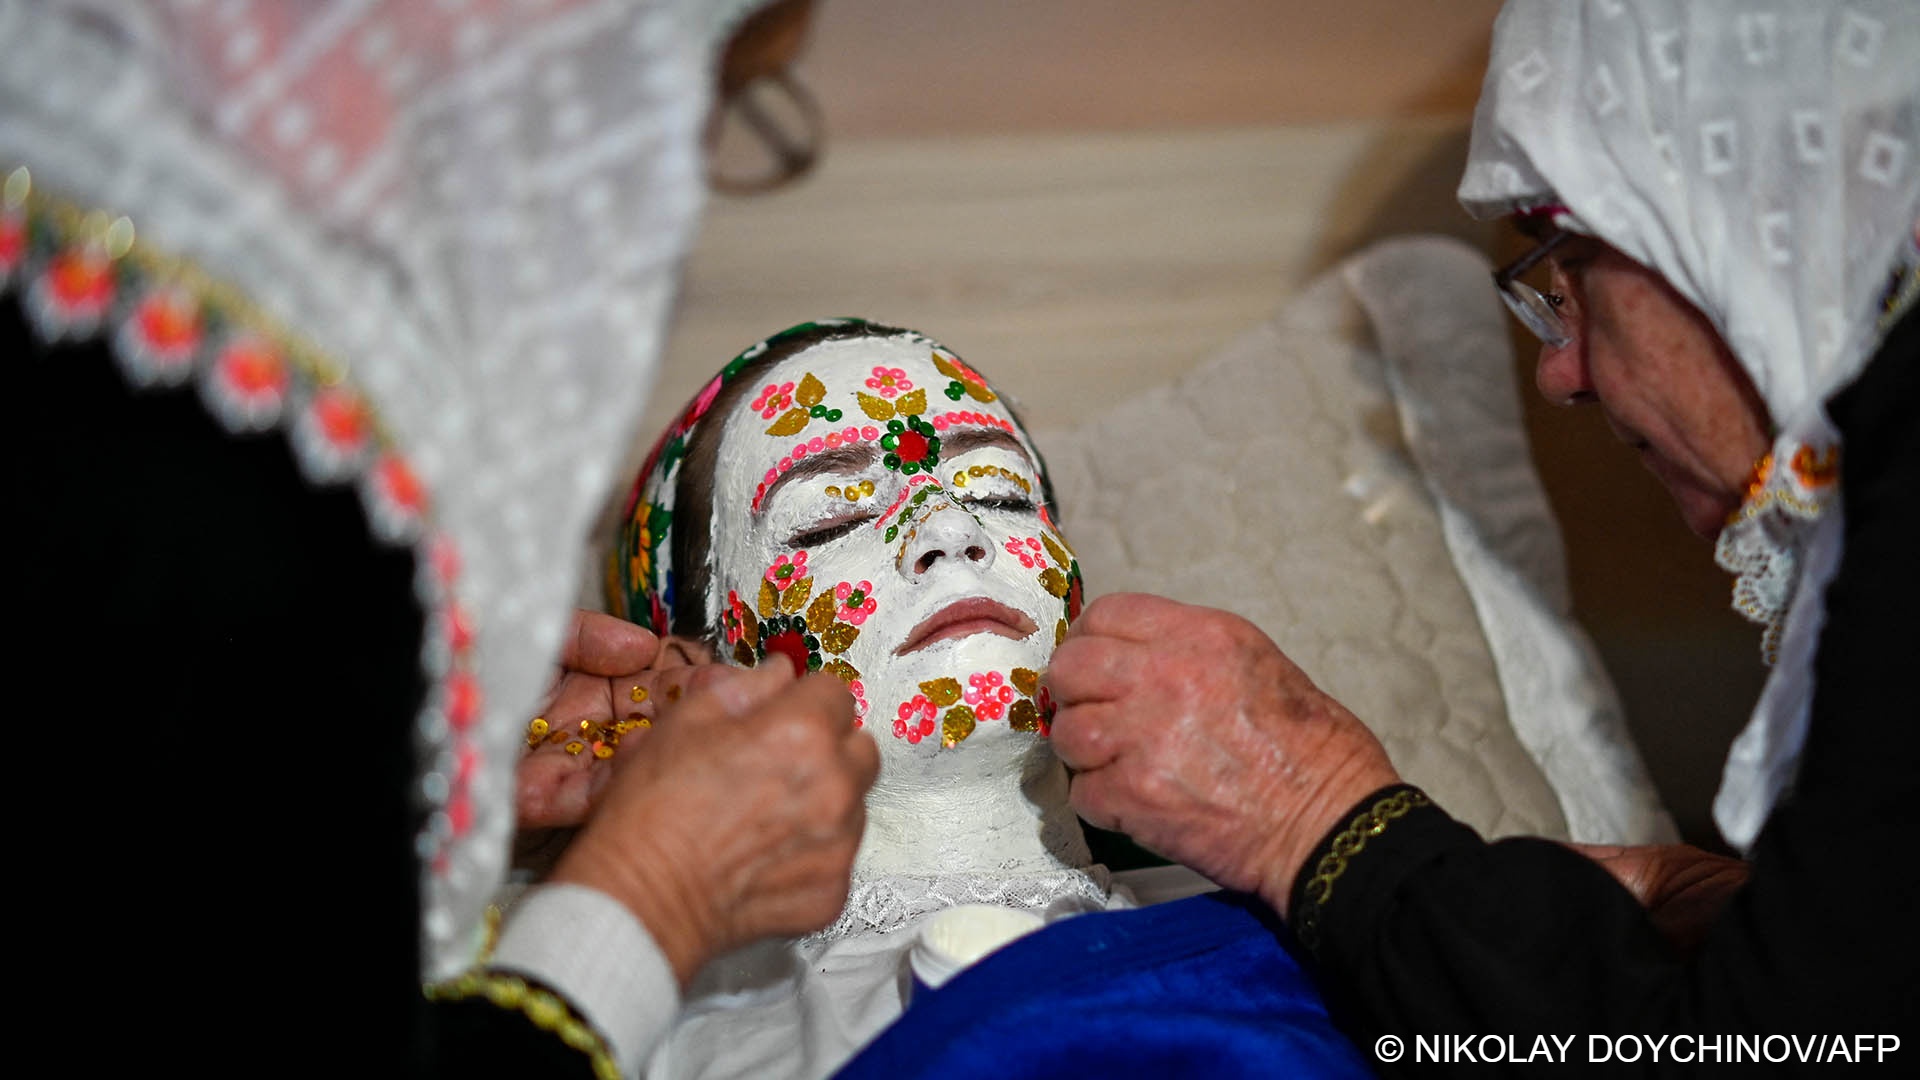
(1537, 311)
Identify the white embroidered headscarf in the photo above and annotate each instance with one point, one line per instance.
(1765, 159)
(477, 211)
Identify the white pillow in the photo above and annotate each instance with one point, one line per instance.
(1370, 504)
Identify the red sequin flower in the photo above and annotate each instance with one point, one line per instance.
(855, 601)
(775, 398)
(889, 381)
(1028, 551)
(785, 571)
(989, 695)
(914, 720)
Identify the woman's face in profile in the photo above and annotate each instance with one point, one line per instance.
(877, 515)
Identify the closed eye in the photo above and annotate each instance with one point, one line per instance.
(1015, 503)
(827, 531)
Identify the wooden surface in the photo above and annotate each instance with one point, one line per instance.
(1132, 254)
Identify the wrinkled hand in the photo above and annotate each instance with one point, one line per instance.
(740, 821)
(1683, 888)
(603, 660)
(1190, 731)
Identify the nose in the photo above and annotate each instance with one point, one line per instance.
(944, 533)
(1562, 376)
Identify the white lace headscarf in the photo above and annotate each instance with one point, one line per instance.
(476, 210)
(1763, 157)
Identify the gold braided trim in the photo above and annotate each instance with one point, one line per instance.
(1350, 841)
(548, 1010)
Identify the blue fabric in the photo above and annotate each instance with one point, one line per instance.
(1204, 986)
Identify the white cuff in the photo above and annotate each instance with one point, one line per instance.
(588, 947)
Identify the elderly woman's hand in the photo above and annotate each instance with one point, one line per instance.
(610, 671)
(1190, 731)
(1683, 888)
(740, 821)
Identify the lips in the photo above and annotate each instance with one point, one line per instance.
(964, 618)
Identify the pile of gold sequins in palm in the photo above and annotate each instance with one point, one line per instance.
(602, 736)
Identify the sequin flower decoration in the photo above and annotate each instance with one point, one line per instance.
(733, 621)
(911, 446)
(1063, 580)
(1028, 551)
(772, 399)
(859, 691)
(811, 395)
(855, 601)
(889, 382)
(785, 571)
(989, 695)
(792, 621)
(966, 382)
(913, 721)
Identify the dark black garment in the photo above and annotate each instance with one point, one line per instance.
(219, 682)
(1431, 931)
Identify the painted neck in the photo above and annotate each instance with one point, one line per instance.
(995, 803)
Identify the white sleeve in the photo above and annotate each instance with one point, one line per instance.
(587, 946)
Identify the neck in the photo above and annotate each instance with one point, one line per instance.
(996, 803)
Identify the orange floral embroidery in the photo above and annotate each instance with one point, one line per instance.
(1816, 469)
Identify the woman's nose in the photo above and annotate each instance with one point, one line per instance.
(1562, 376)
(946, 533)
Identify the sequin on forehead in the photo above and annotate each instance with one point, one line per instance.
(884, 385)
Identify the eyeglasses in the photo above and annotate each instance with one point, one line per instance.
(1537, 311)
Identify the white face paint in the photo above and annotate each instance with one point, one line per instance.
(947, 584)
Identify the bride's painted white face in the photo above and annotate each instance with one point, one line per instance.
(877, 514)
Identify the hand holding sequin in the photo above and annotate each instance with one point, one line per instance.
(603, 662)
(740, 821)
(1190, 731)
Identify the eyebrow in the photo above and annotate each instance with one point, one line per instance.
(963, 442)
(844, 459)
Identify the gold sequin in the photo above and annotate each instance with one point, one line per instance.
(638, 694)
(820, 613)
(795, 597)
(1059, 632)
(602, 751)
(1023, 715)
(1057, 548)
(839, 637)
(673, 693)
(575, 746)
(833, 490)
(941, 691)
(1025, 680)
(956, 725)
